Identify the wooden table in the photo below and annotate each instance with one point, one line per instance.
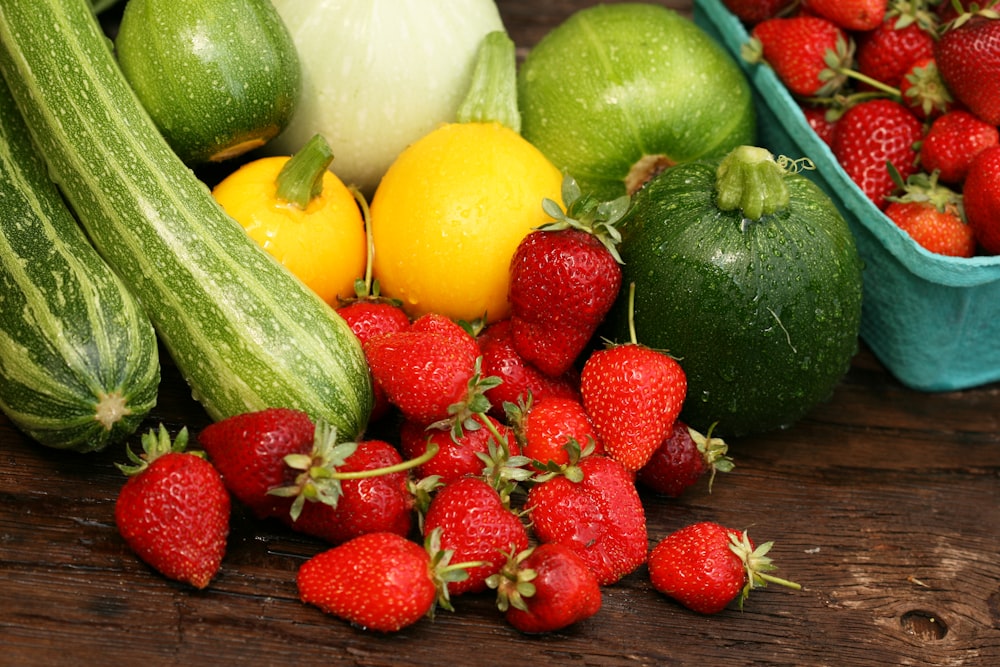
(884, 503)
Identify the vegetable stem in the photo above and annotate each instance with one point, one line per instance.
(750, 179)
(492, 95)
(301, 179)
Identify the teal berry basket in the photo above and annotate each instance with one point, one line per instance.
(933, 321)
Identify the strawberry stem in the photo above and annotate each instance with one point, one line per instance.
(429, 453)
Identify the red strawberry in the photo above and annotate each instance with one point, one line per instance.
(924, 91)
(476, 525)
(379, 581)
(368, 318)
(684, 457)
(457, 456)
(633, 394)
(886, 52)
(931, 215)
(859, 15)
(546, 588)
(564, 278)
(872, 134)
(982, 199)
(595, 510)
(349, 489)
(951, 143)
(755, 11)
(808, 53)
(968, 57)
(518, 377)
(823, 123)
(424, 372)
(249, 452)
(705, 566)
(173, 511)
(547, 426)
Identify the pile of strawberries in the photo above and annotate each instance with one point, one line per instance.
(510, 465)
(907, 95)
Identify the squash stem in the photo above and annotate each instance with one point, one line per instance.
(301, 179)
(750, 179)
(492, 95)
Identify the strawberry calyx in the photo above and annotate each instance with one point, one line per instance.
(757, 563)
(465, 414)
(923, 188)
(442, 571)
(714, 451)
(571, 469)
(156, 443)
(501, 470)
(512, 582)
(319, 479)
(587, 213)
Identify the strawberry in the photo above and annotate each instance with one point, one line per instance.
(822, 121)
(931, 214)
(249, 451)
(460, 456)
(350, 489)
(476, 524)
(683, 458)
(546, 588)
(379, 581)
(173, 511)
(632, 394)
(564, 278)
(518, 377)
(951, 143)
(593, 508)
(968, 57)
(924, 91)
(859, 15)
(886, 52)
(755, 11)
(705, 566)
(547, 426)
(429, 371)
(871, 134)
(367, 318)
(982, 199)
(808, 53)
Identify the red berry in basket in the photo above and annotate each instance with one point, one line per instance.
(968, 57)
(924, 91)
(951, 143)
(546, 588)
(518, 378)
(633, 394)
(379, 581)
(931, 215)
(807, 53)
(548, 427)
(886, 52)
(982, 199)
(564, 278)
(872, 134)
(755, 11)
(822, 121)
(477, 525)
(594, 509)
(705, 566)
(684, 457)
(859, 15)
(173, 511)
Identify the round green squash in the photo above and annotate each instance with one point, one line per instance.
(218, 77)
(619, 92)
(746, 272)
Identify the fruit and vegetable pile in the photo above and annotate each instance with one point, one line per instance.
(907, 95)
(454, 368)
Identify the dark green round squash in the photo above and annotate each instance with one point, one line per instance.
(747, 273)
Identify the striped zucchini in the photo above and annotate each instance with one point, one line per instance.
(79, 366)
(244, 332)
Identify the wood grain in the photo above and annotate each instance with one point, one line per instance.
(884, 503)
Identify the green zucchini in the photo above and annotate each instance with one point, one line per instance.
(243, 331)
(79, 365)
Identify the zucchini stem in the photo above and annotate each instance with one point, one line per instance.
(492, 95)
(301, 179)
(750, 179)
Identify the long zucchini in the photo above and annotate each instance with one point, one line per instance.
(243, 331)
(79, 365)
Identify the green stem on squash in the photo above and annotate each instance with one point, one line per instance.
(492, 95)
(301, 179)
(750, 179)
